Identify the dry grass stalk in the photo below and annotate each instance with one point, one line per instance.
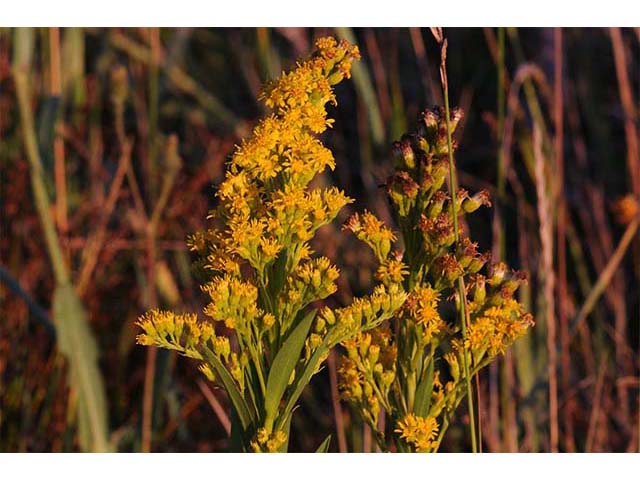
(217, 408)
(546, 266)
(563, 301)
(629, 107)
(58, 142)
(96, 240)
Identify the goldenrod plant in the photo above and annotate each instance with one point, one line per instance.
(406, 353)
(265, 342)
(417, 366)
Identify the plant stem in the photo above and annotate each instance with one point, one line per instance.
(453, 188)
(23, 44)
(605, 277)
(548, 279)
(58, 142)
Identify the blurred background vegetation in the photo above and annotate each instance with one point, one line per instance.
(112, 141)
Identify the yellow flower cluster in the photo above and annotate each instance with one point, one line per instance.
(363, 314)
(427, 345)
(420, 432)
(268, 443)
(368, 371)
(441, 398)
(311, 280)
(260, 271)
(391, 270)
(422, 308)
(371, 230)
(267, 213)
(181, 332)
(497, 327)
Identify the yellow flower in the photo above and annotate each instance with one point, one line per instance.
(350, 380)
(422, 308)
(264, 442)
(182, 333)
(368, 228)
(391, 271)
(498, 327)
(420, 432)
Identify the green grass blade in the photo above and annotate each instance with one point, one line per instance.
(78, 345)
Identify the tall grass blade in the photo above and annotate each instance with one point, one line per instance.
(77, 344)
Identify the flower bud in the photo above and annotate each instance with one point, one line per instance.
(456, 116)
(328, 315)
(368, 390)
(478, 262)
(435, 206)
(430, 120)
(374, 354)
(471, 204)
(439, 173)
(387, 378)
(480, 291)
(316, 279)
(320, 325)
(498, 271)
(365, 342)
(335, 78)
(396, 155)
(407, 153)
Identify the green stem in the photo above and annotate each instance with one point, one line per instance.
(22, 56)
(258, 364)
(453, 188)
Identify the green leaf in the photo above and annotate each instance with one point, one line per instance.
(239, 404)
(283, 366)
(324, 446)
(305, 377)
(236, 444)
(77, 343)
(423, 392)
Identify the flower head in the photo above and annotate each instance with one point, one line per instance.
(420, 432)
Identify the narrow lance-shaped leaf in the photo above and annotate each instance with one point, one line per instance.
(423, 391)
(324, 446)
(282, 367)
(239, 404)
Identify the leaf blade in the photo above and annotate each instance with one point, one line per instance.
(422, 400)
(283, 365)
(238, 401)
(324, 446)
(77, 343)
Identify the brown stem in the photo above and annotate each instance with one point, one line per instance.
(605, 277)
(217, 408)
(58, 142)
(96, 241)
(626, 97)
(563, 320)
(633, 163)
